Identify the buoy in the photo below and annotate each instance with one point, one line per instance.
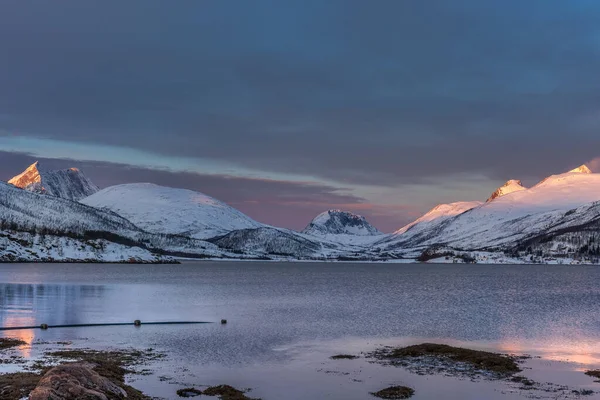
(223, 321)
(44, 326)
(137, 322)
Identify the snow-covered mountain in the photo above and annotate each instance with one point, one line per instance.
(166, 210)
(69, 183)
(337, 222)
(27, 213)
(510, 218)
(36, 227)
(509, 187)
(436, 216)
(559, 217)
(268, 241)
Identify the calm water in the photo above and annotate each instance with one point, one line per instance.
(278, 313)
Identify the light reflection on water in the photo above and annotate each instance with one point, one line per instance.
(549, 311)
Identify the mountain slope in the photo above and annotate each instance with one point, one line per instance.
(69, 184)
(509, 187)
(512, 217)
(165, 210)
(268, 241)
(437, 215)
(25, 212)
(36, 227)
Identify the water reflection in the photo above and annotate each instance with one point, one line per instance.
(33, 304)
(544, 310)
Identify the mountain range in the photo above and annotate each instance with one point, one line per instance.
(62, 216)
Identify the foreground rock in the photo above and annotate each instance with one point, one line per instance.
(223, 392)
(76, 381)
(395, 393)
(76, 374)
(433, 358)
(7, 343)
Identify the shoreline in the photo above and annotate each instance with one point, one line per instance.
(177, 261)
(158, 374)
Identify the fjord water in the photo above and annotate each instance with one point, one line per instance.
(286, 319)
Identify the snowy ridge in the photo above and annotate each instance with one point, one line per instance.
(69, 183)
(582, 169)
(437, 215)
(509, 187)
(165, 210)
(555, 221)
(514, 216)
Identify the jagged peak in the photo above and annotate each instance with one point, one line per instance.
(29, 176)
(69, 183)
(582, 169)
(512, 185)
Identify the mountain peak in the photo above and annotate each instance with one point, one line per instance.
(69, 183)
(510, 186)
(29, 178)
(340, 222)
(582, 169)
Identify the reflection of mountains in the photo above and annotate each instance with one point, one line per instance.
(33, 304)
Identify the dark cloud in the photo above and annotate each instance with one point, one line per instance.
(385, 93)
(279, 203)
(453, 96)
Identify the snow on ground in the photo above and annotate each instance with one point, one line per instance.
(509, 218)
(21, 246)
(437, 215)
(160, 209)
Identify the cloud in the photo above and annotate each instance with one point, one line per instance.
(594, 165)
(386, 94)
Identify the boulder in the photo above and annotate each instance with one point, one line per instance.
(76, 381)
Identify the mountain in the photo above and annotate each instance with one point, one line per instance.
(511, 218)
(575, 233)
(25, 217)
(437, 215)
(42, 228)
(69, 183)
(268, 241)
(337, 222)
(582, 169)
(509, 187)
(166, 210)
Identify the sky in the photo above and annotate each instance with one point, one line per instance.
(285, 109)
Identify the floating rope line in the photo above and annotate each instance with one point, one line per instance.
(137, 322)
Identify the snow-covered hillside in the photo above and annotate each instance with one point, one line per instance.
(38, 214)
(160, 209)
(30, 247)
(69, 183)
(33, 211)
(437, 215)
(510, 218)
(268, 241)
